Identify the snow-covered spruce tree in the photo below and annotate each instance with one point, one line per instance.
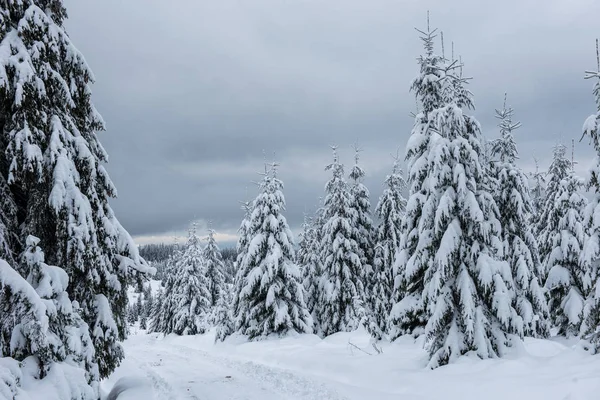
(564, 234)
(304, 240)
(149, 301)
(42, 329)
(53, 163)
(162, 319)
(155, 318)
(190, 293)
(8, 222)
(310, 262)
(591, 249)
(139, 306)
(389, 210)
(550, 213)
(143, 322)
(131, 315)
(453, 246)
(341, 293)
(511, 192)
(538, 194)
(223, 314)
(147, 292)
(361, 203)
(242, 249)
(408, 312)
(271, 299)
(214, 267)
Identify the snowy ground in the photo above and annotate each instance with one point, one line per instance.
(306, 367)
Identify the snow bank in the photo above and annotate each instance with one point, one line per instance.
(307, 367)
(131, 388)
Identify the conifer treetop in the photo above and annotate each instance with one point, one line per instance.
(505, 147)
(590, 127)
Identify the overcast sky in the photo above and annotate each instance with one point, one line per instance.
(196, 93)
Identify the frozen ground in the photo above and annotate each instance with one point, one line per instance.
(306, 367)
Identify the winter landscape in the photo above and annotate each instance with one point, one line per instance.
(457, 267)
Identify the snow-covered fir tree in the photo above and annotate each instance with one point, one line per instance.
(229, 256)
(450, 273)
(242, 249)
(550, 212)
(53, 163)
(143, 322)
(148, 301)
(389, 210)
(131, 315)
(223, 313)
(408, 313)
(361, 204)
(538, 194)
(41, 329)
(511, 192)
(310, 260)
(146, 291)
(591, 249)
(341, 292)
(564, 236)
(271, 299)
(139, 306)
(8, 220)
(214, 267)
(162, 319)
(155, 318)
(304, 240)
(190, 293)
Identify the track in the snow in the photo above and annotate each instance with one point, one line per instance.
(183, 373)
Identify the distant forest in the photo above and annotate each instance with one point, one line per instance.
(158, 255)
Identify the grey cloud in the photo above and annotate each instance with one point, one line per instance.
(194, 92)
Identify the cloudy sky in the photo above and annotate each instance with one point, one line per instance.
(196, 94)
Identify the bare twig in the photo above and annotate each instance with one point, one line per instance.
(358, 348)
(379, 350)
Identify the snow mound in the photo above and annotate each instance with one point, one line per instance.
(131, 388)
(346, 366)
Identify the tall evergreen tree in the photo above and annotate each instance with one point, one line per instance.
(149, 301)
(240, 267)
(408, 313)
(143, 322)
(304, 239)
(550, 212)
(52, 162)
(519, 244)
(591, 249)
(190, 292)
(271, 299)
(310, 262)
(564, 236)
(8, 221)
(214, 267)
(41, 329)
(451, 245)
(162, 319)
(155, 319)
(365, 232)
(389, 210)
(339, 301)
(538, 194)
(223, 314)
(131, 315)
(361, 203)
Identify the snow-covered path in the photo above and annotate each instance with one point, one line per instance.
(306, 367)
(180, 372)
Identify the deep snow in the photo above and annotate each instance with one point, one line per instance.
(307, 367)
